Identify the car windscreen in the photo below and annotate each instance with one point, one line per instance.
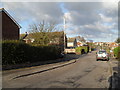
(100, 52)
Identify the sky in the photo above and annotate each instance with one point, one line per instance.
(97, 21)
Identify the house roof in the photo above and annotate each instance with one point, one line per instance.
(113, 44)
(53, 34)
(57, 34)
(3, 10)
(71, 39)
(27, 37)
(79, 38)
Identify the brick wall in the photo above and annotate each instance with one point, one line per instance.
(10, 31)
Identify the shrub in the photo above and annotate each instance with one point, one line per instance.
(117, 52)
(15, 52)
(79, 49)
(86, 49)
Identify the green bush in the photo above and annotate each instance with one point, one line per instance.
(15, 52)
(117, 52)
(86, 49)
(79, 49)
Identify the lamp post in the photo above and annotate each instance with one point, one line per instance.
(64, 22)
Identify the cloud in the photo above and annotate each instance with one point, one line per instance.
(35, 11)
(67, 17)
(105, 19)
(93, 20)
(93, 31)
(83, 12)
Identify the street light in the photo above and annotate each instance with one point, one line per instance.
(64, 22)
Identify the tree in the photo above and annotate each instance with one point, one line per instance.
(117, 52)
(118, 40)
(41, 32)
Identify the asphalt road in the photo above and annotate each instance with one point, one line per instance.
(86, 72)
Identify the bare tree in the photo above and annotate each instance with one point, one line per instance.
(41, 32)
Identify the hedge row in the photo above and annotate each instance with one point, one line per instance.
(117, 52)
(15, 52)
(79, 49)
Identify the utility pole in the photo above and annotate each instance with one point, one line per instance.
(64, 22)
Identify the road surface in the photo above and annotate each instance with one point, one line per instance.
(86, 72)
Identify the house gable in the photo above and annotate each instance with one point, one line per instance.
(10, 29)
(71, 42)
(2, 10)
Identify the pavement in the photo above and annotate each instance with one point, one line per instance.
(115, 77)
(17, 73)
(0, 80)
(27, 71)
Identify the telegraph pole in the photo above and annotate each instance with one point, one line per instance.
(64, 22)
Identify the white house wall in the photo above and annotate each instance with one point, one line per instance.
(70, 44)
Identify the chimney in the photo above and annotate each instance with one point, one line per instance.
(25, 35)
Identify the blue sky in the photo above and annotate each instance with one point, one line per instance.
(92, 20)
(62, 6)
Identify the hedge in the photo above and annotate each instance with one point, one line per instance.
(117, 52)
(15, 52)
(79, 49)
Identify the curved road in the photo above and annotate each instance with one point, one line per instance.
(86, 72)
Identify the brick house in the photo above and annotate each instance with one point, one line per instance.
(10, 28)
(58, 39)
(55, 38)
(80, 41)
(113, 45)
(71, 42)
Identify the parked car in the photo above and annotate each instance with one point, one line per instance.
(70, 50)
(102, 55)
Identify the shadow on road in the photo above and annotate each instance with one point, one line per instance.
(42, 70)
(69, 57)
